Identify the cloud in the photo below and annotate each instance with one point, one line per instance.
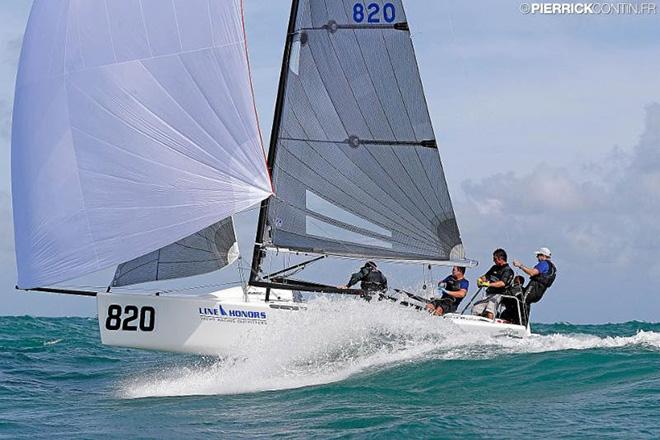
(605, 211)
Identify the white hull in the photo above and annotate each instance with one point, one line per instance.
(488, 327)
(219, 322)
(213, 324)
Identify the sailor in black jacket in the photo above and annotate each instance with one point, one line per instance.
(369, 277)
(497, 281)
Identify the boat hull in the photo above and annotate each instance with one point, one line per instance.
(487, 327)
(219, 323)
(213, 324)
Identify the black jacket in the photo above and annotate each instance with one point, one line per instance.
(370, 279)
(499, 273)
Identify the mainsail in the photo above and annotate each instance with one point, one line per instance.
(133, 127)
(355, 164)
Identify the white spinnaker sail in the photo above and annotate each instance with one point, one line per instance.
(134, 126)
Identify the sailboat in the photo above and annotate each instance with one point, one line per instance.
(136, 140)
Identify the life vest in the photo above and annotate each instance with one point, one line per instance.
(452, 285)
(374, 281)
(500, 273)
(546, 279)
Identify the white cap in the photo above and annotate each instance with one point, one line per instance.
(544, 251)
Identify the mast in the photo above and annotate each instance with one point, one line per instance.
(274, 134)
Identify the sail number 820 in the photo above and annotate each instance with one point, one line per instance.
(373, 13)
(116, 320)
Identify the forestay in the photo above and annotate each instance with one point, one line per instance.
(356, 167)
(133, 127)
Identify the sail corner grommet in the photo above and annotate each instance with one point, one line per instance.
(353, 141)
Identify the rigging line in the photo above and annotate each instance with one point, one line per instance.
(403, 227)
(398, 88)
(368, 177)
(375, 160)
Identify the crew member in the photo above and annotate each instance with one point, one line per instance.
(371, 279)
(453, 290)
(541, 277)
(497, 281)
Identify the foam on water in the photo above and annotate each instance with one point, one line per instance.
(53, 342)
(334, 340)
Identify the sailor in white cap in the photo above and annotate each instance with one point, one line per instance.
(541, 277)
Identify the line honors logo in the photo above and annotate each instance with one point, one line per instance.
(219, 313)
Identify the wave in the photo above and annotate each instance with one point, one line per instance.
(335, 340)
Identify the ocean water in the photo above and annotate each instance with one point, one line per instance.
(340, 370)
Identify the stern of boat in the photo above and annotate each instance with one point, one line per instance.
(488, 327)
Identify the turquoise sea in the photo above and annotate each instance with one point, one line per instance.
(389, 376)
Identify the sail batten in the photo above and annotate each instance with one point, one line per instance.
(354, 131)
(134, 127)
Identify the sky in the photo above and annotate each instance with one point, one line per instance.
(549, 132)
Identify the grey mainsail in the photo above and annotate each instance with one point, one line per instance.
(355, 164)
(205, 251)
